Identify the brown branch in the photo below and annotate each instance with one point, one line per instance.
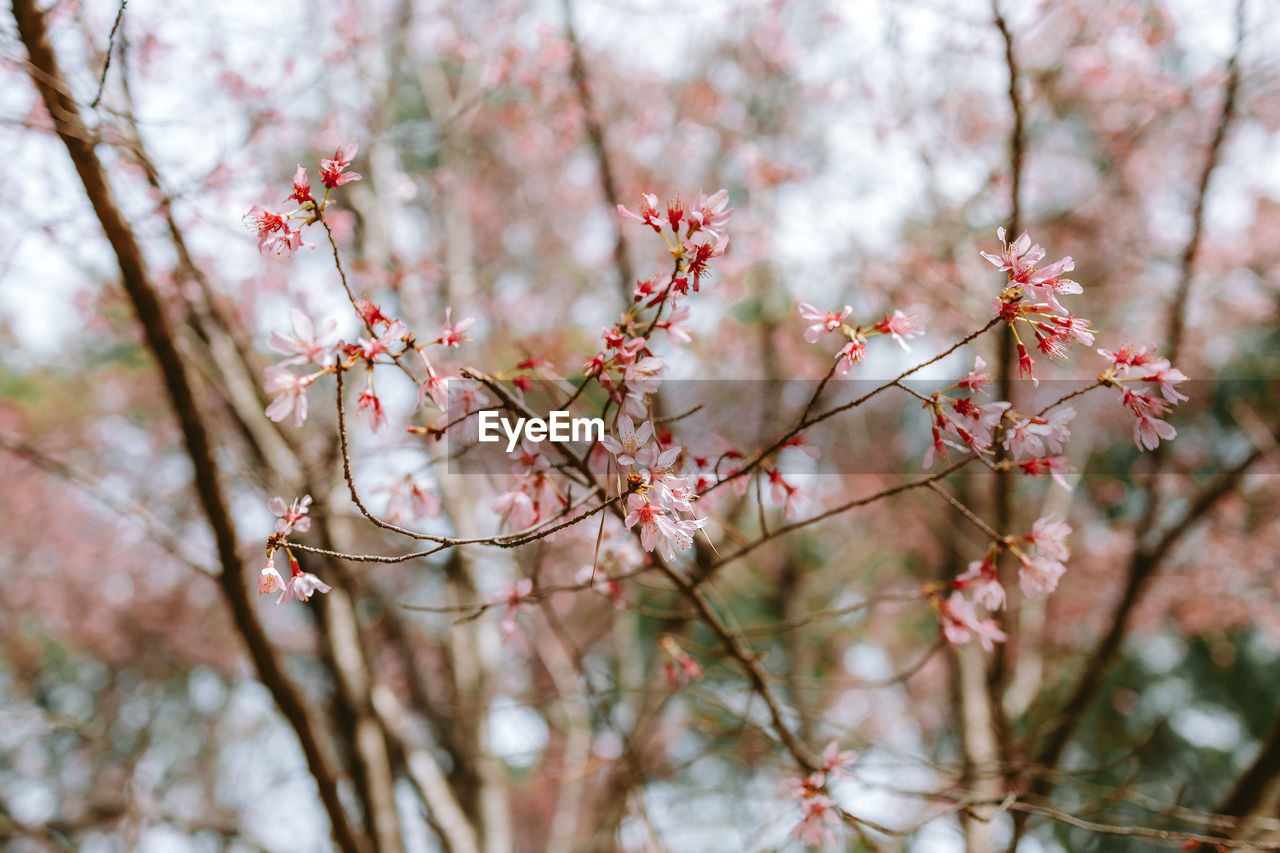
(808, 421)
(160, 340)
(1144, 565)
(135, 512)
(106, 64)
(595, 133)
(1178, 308)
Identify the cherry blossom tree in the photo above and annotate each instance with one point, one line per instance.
(931, 504)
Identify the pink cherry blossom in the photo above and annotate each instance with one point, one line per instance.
(901, 326)
(975, 380)
(674, 325)
(629, 441)
(960, 623)
(984, 581)
(654, 523)
(453, 335)
(411, 499)
(333, 172)
(302, 586)
(648, 212)
(291, 517)
(1026, 367)
(1076, 328)
(1050, 537)
(371, 314)
(1148, 430)
(1055, 466)
(1168, 377)
(371, 349)
(710, 213)
(269, 579)
(301, 187)
(1133, 360)
(515, 596)
(818, 821)
(516, 509)
(834, 761)
(275, 237)
(288, 392)
(822, 322)
(1018, 258)
(369, 402)
(1039, 575)
(305, 344)
(854, 351)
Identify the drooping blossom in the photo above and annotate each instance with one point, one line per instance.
(269, 579)
(1168, 377)
(369, 402)
(819, 820)
(1148, 428)
(819, 817)
(300, 586)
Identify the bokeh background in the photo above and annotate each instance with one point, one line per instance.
(867, 152)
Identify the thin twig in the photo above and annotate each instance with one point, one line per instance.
(106, 65)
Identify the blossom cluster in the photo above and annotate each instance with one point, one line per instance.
(1031, 298)
(898, 326)
(1140, 364)
(276, 232)
(301, 585)
(819, 814)
(980, 586)
(1034, 443)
